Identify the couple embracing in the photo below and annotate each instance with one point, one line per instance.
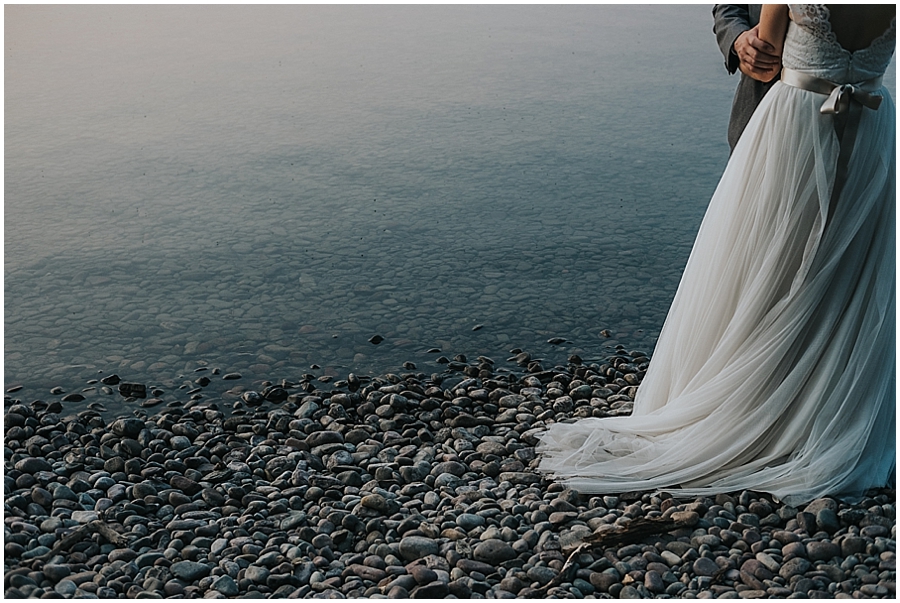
(775, 369)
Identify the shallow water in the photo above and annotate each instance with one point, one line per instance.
(262, 189)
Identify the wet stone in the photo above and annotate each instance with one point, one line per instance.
(226, 585)
(494, 551)
(56, 572)
(822, 550)
(33, 465)
(190, 570)
(422, 574)
(705, 567)
(542, 574)
(416, 547)
(794, 567)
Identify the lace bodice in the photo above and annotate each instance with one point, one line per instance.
(812, 47)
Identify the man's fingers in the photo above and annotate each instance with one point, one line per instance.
(763, 75)
(754, 57)
(757, 57)
(761, 45)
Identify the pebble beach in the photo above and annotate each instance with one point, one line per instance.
(401, 485)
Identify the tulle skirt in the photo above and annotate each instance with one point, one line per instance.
(775, 369)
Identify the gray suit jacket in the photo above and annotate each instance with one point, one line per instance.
(730, 21)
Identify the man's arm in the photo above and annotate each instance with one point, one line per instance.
(729, 22)
(739, 42)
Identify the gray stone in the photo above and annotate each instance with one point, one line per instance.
(64, 493)
(519, 478)
(148, 559)
(822, 550)
(190, 570)
(422, 574)
(452, 467)
(66, 588)
(85, 516)
(318, 438)
(630, 592)
(494, 551)
(179, 442)
(37, 551)
(794, 567)
(705, 567)
(768, 561)
(821, 503)
(122, 554)
(294, 519)
(271, 559)
(853, 545)
(376, 502)
(653, 582)
(226, 585)
(874, 590)
(435, 590)
(218, 545)
(256, 573)
(469, 521)
(129, 428)
(827, 520)
(56, 572)
(875, 531)
(447, 479)
(51, 524)
(185, 484)
(33, 465)
(542, 574)
(416, 547)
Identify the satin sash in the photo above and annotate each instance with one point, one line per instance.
(846, 103)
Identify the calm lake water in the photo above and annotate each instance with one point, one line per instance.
(263, 189)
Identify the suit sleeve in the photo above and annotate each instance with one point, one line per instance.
(730, 21)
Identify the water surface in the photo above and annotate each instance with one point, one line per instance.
(263, 189)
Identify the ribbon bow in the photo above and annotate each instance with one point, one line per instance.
(839, 99)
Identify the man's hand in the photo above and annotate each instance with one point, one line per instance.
(757, 58)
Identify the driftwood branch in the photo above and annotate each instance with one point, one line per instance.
(81, 532)
(639, 529)
(566, 574)
(635, 531)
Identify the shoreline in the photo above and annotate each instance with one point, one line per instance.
(399, 486)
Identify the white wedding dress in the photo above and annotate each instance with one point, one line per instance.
(775, 369)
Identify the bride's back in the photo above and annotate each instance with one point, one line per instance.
(857, 26)
(818, 41)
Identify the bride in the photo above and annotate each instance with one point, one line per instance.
(775, 369)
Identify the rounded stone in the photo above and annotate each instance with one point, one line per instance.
(256, 573)
(56, 572)
(794, 567)
(416, 547)
(469, 521)
(822, 550)
(541, 574)
(33, 465)
(494, 551)
(705, 567)
(422, 574)
(226, 585)
(66, 588)
(190, 570)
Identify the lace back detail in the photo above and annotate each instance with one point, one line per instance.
(811, 46)
(814, 18)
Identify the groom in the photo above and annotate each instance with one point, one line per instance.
(736, 27)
